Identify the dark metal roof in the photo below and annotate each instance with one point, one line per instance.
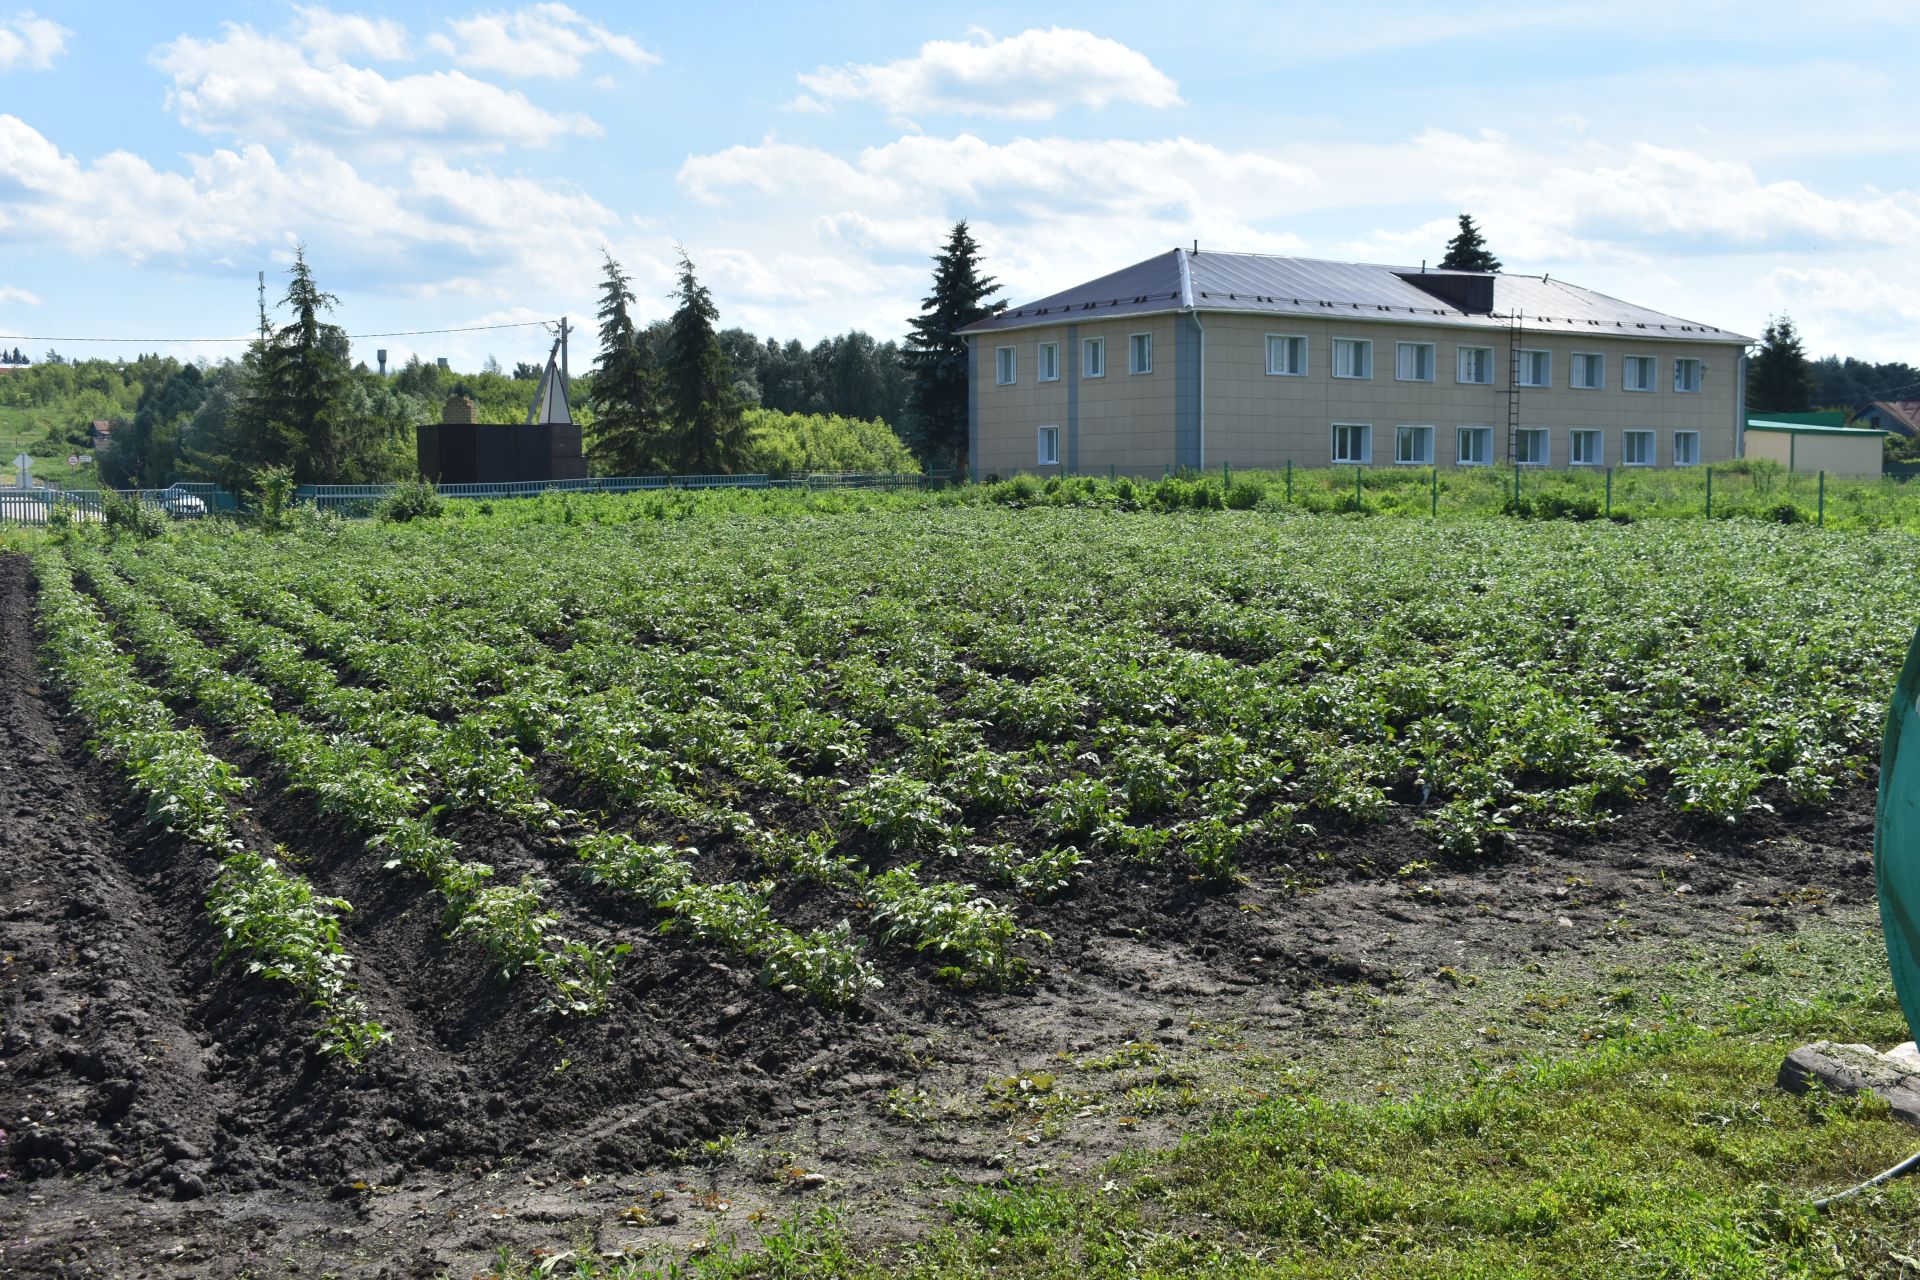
(1256, 283)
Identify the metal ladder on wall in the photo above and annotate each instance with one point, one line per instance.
(1513, 388)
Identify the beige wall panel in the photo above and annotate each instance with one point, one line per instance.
(1253, 419)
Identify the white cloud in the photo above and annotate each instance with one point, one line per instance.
(539, 40)
(1032, 76)
(30, 42)
(440, 230)
(13, 293)
(334, 37)
(261, 88)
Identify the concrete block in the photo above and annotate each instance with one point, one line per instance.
(1854, 1068)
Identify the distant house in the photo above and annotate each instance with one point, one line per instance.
(100, 434)
(1896, 417)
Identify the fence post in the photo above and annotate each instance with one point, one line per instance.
(1436, 492)
(1516, 488)
(1226, 476)
(1289, 480)
(1359, 499)
(1709, 493)
(1113, 471)
(1823, 499)
(1609, 493)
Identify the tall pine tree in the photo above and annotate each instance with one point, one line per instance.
(1779, 378)
(937, 355)
(1468, 251)
(291, 412)
(627, 437)
(709, 431)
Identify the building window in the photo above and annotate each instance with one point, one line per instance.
(1286, 355)
(1140, 353)
(1536, 368)
(1476, 365)
(1476, 447)
(1352, 442)
(1638, 372)
(1585, 448)
(1686, 375)
(1530, 447)
(1003, 366)
(1093, 360)
(1414, 362)
(1049, 362)
(1636, 448)
(1352, 358)
(1589, 371)
(1686, 448)
(1413, 446)
(1049, 446)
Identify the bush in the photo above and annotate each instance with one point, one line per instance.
(131, 516)
(410, 500)
(273, 490)
(1784, 512)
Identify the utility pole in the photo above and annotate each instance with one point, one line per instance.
(565, 380)
(263, 307)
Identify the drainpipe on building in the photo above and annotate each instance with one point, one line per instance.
(1195, 313)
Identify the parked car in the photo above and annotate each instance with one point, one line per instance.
(181, 505)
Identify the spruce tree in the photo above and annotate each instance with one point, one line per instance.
(937, 355)
(1467, 251)
(290, 415)
(1779, 378)
(709, 430)
(627, 435)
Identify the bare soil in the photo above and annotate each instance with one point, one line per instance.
(164, 1116)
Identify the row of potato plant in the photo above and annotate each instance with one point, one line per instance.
(453, 755)
(268, 917)
(1034, 692)
(605, 737)
(355, 781)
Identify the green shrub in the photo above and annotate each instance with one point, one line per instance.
(131, 516)
(410, 500)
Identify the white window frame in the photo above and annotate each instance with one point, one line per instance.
(1134, 349)
(1693, 461)
(1651, 365)
(1360, 346)
(1366, 444)
(1006, 361)
(1460, 438)
(1460, 355)
(1415, 431)
(1546, 446)
(1526, 366)
(1626, 447)
(1040, 362)
(1049, 436)
(1088, 359)
(1289, 339)
(1399, 352)
(1578, 363)
(1699, 368)
(1599, 437)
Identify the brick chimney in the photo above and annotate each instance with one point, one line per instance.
(460, 411)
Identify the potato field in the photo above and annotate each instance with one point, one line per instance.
(378, 889)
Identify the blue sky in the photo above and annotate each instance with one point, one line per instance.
(450, 165)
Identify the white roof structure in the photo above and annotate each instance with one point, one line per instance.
(550, 398)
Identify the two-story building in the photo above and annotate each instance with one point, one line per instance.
(1194, 359)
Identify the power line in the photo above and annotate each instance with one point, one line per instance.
(396, 333)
